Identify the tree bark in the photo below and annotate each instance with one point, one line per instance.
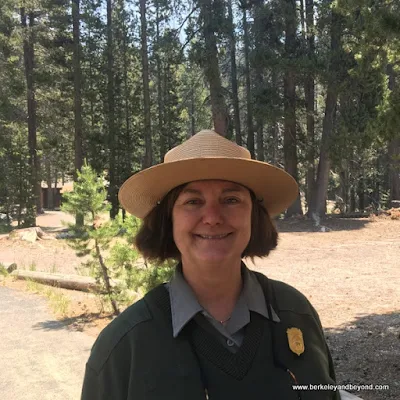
(34, 200)
(249, 118)
(309, 90)
(234, 83)
(302, 19)
(72, 282)
(127, 169)
(112, 137)
(290, 140)
(352, 199)
(393, 149)
(159, 88)
(50, 192)
(79, 219)
(274, 122)
(361, 194)
(344, 190)
(259, 78)
(394, 168)
(319, 204)
(148, 156)
(192, 111)
(211, 69)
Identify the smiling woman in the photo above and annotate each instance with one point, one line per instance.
(155, 239)
(217, 330)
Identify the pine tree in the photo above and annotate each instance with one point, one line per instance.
(89, 199)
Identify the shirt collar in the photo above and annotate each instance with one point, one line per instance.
(184, 304)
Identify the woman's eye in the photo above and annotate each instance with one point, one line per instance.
(194, 201)
(232, 200)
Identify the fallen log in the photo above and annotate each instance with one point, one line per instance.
(74, 282)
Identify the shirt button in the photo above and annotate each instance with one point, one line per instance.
(230, 343)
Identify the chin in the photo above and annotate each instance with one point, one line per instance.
(217, 258)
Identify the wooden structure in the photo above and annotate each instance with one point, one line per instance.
(51, 198)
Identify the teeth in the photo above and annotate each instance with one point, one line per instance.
(214, 237)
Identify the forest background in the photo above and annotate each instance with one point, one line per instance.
(310, 86)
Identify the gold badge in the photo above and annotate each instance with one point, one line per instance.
(295, 339)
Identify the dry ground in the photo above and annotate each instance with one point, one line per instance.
(350, 273)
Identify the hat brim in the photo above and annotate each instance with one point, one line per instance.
(140, 193)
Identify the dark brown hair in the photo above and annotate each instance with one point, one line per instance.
(155, 241)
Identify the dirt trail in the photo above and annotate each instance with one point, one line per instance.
(41, 359)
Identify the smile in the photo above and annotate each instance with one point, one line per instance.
(214, 236)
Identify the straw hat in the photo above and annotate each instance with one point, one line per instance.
(208, 155)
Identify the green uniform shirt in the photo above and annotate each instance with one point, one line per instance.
(136, 356)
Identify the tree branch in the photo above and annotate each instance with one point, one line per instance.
(188, 40)
(187, 17)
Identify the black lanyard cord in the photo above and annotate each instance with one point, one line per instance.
(278, 364)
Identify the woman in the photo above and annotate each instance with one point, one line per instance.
(217, 330)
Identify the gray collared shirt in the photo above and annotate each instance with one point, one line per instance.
(185, 306)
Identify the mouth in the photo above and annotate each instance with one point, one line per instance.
(214, 237)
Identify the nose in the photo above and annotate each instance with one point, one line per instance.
(212, 214)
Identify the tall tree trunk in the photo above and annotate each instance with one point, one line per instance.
(319, 204)
(302, 19)
(159, 88)
(393, 149)
(192, 111)
(249, 119)
(344, 190)
(50, 192)
(361, 193)
(167, 101)
(90, 79)
(394, 168)
(274, 121)
(259, 78)
(290, 140)
(352, 199)
(79, 218)
(57, 194)
(211, 68)
(112, 137)
(34, 200)
(128, 141)
(234, 83)
(148, 156)
(309, 90)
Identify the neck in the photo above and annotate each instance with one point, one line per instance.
(216, 287)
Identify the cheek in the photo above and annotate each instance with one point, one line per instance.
(181, 224)
(241, 218)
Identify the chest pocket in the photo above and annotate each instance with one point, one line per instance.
(312, 366)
